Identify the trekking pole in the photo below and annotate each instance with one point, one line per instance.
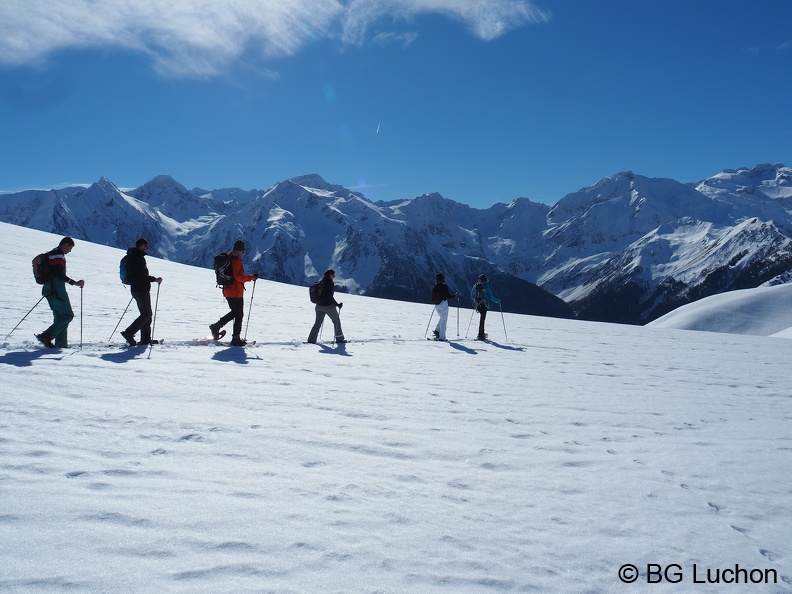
(121, 318)
(154, 319)
(470, 322)
(503, 320)
(154, 322)
(81, 317)
(457, 316)
(23, 319)
(339, 323)
(250, 308)
(430, 321)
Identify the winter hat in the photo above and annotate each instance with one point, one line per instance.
(439, 278)
(239, 245)
(141, 241)
(483, 278)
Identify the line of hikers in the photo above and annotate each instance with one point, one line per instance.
(49, 270)
(481, 295)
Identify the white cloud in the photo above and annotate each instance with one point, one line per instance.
(200, 37)
(488, 19)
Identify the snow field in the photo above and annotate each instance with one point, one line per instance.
(391, 464)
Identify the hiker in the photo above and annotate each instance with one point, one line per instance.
(440, 297)
(140, 281)
(57, 297)
(483, 299)
(326, 305)
(234, 294)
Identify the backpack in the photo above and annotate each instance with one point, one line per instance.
(436, 298)
(41, 269)
(480, 294)
(222, 267)
(123, 271)
(315, 291)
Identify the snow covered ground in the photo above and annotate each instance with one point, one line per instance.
(544, 461)
(765, 311)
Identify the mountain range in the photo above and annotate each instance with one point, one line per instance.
(628, 249)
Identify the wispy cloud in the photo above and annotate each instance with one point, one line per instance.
(201, 37)
(769, 49)
(487, 19)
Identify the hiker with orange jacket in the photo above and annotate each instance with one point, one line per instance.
(234, 294)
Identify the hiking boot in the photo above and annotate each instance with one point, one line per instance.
(236, 341)
(215, 330)
(481, 337)
(129, 337)
(45, 339)
(436, 334)
(341, 341)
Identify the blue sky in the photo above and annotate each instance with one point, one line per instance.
(482, 101)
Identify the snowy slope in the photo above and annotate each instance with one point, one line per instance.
(543, 461)
(763, 311)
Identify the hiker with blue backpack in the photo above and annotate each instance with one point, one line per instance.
(139, 280)
(483, 300)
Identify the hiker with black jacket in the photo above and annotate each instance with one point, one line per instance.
(56, 336)
(326, 306)
(483, 300)
(440, 296)
(140, 281)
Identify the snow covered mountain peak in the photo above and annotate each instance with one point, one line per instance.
(772, 181)
(105, 185)
(626, 249)
(315, 183)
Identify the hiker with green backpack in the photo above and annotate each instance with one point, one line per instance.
(483, 300)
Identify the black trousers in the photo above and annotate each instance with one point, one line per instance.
(482, 309)
(143, 321)
(237, 305)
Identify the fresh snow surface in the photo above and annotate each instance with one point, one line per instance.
(764, 311)
(541, 462)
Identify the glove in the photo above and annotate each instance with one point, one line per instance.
(255, 276)
(340, 305)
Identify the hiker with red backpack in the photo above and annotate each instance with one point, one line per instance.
(54, 290)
